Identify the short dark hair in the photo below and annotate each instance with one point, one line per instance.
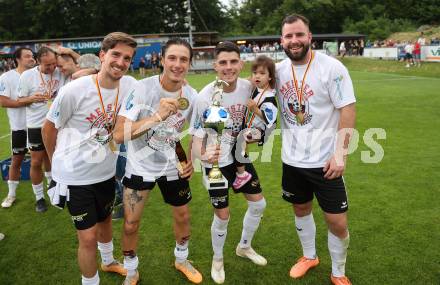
(43, 51)
(268, 63)
(226, 46)
(19, 51)
(293, 18)
(177, 41)
(112, 39)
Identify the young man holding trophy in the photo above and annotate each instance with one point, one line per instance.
(150, 123)
(222, 105)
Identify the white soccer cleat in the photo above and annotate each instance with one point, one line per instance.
(8, 201)
(250, 253)
(218, 271)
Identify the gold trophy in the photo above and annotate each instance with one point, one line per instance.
(216, 118)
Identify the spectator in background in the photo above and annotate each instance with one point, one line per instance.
(342, 49)
(349, 47)
(408, 54)
(361, 47)
(154, 62)
(417, 53)
(421, 40)
(142, 67)
(147, 60)
(256, 48)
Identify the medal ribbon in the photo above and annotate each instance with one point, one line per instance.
(299, 92)
(251, 115)
(109, 128)
(49, 84)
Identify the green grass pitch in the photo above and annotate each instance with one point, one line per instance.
(394, 216)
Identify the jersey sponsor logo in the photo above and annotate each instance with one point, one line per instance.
(184, 192)
(290, 106)
(338, 81)
(216, 200)
(269, 114)
(287, 194)
(129, 103)
(344, 205)
(79, 218)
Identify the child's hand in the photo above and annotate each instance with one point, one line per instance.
(252, 106)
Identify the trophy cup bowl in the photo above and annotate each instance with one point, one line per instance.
(215, 118)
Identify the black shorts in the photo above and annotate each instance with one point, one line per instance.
(220, 197)
(35, 140)
(299, 185)
(175, 192)
(91, 204)
(19, 142)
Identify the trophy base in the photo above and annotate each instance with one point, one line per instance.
(221, 183)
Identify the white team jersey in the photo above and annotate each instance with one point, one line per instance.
(236, 104)
(9, 88)
(328, 87)
(267, 104)
(153, 154)
(82, 155)
(30, 84)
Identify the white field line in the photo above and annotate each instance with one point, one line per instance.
(395, 75)
(405, 78)
(5, 136)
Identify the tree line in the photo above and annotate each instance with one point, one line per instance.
(39, 19)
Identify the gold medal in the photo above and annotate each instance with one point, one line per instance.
(300, 91)
(300, 118)
(183, 103)
(112, 145)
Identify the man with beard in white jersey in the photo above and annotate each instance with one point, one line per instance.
(151, 123)
(45, 79)
(78, 137)
(235, 98)
(317, 104)
(17, 116)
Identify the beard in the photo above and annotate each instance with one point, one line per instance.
(298, 56)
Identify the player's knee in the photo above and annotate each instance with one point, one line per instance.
(88, 241)
(182, 217)
(257, 208)
(222, 214)
(220, 224)
(302, 210)
(131, 227)
(339, 228)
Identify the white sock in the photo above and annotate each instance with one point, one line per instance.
(90, 281)
(306, 229)
(251, 221)
(338, 252)
(181, 252)
(106, 251)
(48, 175)
(219, 230)
(131, 264)
(12, 186)
(38, 191)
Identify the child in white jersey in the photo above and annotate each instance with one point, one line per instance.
(261, 113)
